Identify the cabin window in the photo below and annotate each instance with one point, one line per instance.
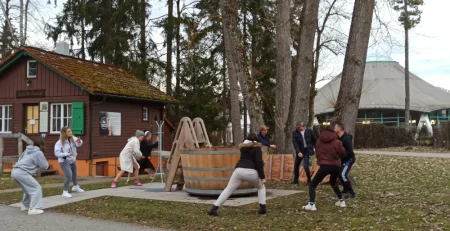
(6, 118)
(31, 69)
(60, 116)
(145, 114)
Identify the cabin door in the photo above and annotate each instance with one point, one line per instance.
(31, 119)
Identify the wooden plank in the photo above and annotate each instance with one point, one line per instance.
(7, 136)
(1, 155)
(270, 167)
(282, 167)
(19, 146)
(26, 139)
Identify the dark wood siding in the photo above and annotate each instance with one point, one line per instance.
(57, 90)
(15, 78)
(131, 120)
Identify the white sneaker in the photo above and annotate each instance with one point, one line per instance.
(23, 208)
(35, 211)
(66, 194)
(340, 203)
(76, 188)
(309, 207)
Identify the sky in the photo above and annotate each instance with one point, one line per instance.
(429, 46)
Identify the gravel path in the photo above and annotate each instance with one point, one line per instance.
(413, 154)
(12, 219)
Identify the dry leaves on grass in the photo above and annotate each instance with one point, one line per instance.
(394, 193)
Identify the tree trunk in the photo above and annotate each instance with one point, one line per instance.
(83, 30)
(407, 99)
(7, 34)
(178, 61)
(143, 40)
(315, 70)
(25, 27)
(301, 83)
(21, 16)
(312, 89)
(346, 108)
(235, 67)
(169, 31)
(244, 44)
(284, 73)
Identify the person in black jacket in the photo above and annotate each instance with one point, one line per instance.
(146, 149)
(304, 142)
(348, 161)
(250, 168)
(264, 138)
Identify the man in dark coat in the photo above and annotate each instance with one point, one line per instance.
(304, 142)
(348, 161)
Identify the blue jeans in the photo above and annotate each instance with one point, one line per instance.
(70, 173)
(297, 163)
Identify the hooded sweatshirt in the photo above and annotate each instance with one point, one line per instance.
(31, 159)
(329, 149)
(63, 151)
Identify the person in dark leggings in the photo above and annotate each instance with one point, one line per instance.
(329, 151)
(346, 162)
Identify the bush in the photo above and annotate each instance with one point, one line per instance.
(441, 135)
(378, 136)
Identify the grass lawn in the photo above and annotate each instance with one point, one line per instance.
(424, 149)
(394, 193)
(7, 183)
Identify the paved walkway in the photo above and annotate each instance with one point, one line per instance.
(12, 219)
(86, 180)
(414, 154)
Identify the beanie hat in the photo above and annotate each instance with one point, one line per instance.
(139, 133)
(147, 133)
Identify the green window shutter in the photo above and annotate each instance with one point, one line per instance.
(78, 118)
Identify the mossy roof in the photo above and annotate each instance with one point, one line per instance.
(93, 76)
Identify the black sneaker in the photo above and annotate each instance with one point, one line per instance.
(213, 211)
(350, 195)
(262, 209)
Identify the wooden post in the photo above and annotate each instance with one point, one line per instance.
(19, 146)
(1, 156)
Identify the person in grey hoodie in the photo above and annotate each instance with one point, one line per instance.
(22, 173)
(66, 151)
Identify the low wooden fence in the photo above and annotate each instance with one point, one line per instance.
(10, 159)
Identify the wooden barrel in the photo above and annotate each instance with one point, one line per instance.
(207, 170)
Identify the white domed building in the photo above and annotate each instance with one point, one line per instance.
(383, 98)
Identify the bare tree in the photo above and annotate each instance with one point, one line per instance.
(230, 32)
(284, 71)
(346, 108)
(301, 81)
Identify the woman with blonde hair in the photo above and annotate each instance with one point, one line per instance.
(66, 151)
(264, 138)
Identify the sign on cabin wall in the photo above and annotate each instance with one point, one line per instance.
(110, 123)
(43, 115)
(30, 93)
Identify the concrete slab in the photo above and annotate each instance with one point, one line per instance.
(155, 191)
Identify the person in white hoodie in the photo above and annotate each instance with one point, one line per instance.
(22, 173)
(66, 151)
(128, 162)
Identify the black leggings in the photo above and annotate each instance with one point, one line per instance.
(324, 170)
